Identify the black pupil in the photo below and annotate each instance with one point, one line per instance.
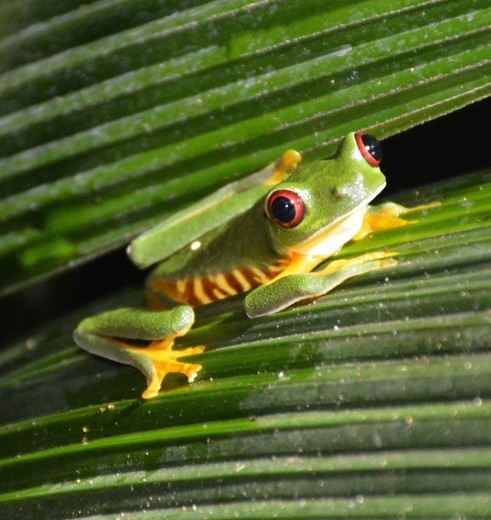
(373, 147)
(283, 209)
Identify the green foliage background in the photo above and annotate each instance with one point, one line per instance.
(371, 402)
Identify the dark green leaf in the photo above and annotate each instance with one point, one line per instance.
(370, 402)
(115, 114)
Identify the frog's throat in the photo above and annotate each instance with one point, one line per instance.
(329, 239)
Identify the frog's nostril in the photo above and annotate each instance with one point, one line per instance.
(337, 193)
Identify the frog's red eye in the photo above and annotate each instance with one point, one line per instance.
(285, 208)
(370, 148)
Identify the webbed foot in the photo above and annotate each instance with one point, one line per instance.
(164, 361)
(109, 335)
(388, 216)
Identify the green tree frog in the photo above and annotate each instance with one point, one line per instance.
(262, 235)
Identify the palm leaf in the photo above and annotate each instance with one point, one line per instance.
(369, 402)
(101, 137)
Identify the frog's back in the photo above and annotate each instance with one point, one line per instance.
(228, 261)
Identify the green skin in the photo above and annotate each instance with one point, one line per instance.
(331, 190)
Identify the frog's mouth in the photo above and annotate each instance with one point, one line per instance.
(329, 239)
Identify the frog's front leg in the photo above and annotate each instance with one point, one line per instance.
(107, 335)
(289, 289)
(388, 216)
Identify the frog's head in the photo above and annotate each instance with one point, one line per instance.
(321, 205)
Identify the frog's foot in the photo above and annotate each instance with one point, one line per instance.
(110, 335)
(287, 290)
(163, 360)
(156, 361)
(387, 216)
(364, 263)
(288, 160)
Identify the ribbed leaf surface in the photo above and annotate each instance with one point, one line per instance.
(114, 113)
(371, 402)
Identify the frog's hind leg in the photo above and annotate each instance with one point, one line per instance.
(109, 335)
